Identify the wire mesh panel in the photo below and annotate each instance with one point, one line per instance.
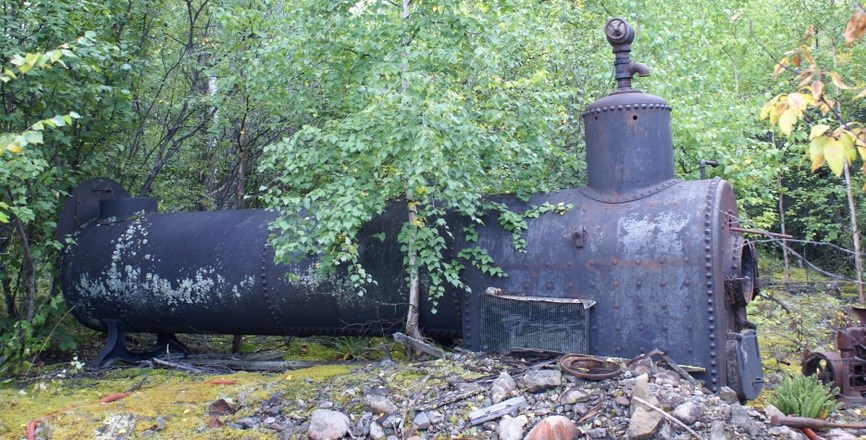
(557, 324)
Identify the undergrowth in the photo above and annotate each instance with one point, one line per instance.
(804, 396)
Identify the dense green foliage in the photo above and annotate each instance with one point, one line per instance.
(339, 108)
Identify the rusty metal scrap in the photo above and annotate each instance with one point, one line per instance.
(845, 369)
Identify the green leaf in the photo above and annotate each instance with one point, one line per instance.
(33, 137)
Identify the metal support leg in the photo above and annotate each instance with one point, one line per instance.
(115, 347)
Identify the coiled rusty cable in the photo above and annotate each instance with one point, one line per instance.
(589, 367)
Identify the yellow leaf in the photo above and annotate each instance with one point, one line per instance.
(861, 95)
(859, 137)
(818, 130)
(768, 107)
(15, 148)
(837, 81)
(846, 140)
(818, 90)
(816, 151)
(862, 151)
(795, 60)
(787, 121)
(797, 102)
(805, 78)
(780, 66)
(834, 156)
(777, 111)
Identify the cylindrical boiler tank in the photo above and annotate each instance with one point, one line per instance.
(214, 272)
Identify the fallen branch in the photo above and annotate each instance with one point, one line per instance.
(247, 365)
(806, 422)
(450, 398)
(589, 414)
(667, 416)
(176, 365)
(419, 345)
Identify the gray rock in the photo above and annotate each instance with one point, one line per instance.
(573, 395)
(688, 412)
(642, 365)
(435, 417)
(717, 431)
(512, 428)
(644, 422)
(422, 420)
(668, 377)
(376, 431)
(670, 400)
(840, 434)
(597, 433)
(622, 401)
(116, 426)
(541, 380)
(328, 425)
(665, 433)
(740, 418)
(248, 422)
(160, 423)
(728, 395)
(771, 411)
(380, 404)
(786, 433)
(502, 387)
(580, 409)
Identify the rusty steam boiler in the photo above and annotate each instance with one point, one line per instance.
(643, 260)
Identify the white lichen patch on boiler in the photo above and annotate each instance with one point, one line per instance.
(137, 287)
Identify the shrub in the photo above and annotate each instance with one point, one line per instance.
(805, 396)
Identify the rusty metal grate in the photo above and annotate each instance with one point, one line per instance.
(511, 322)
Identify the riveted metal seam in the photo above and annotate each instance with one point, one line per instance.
(598, 197)
(272, 308)
(708, 232)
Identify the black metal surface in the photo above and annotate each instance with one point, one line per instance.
(664, 260)
(213, 272)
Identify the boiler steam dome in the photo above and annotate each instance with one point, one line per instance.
(629, 151)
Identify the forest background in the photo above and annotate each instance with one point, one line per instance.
(342, 107)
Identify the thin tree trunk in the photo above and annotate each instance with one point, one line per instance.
(412, 327)
(855, 232)
(242, 172)
(28, 263)
(784, 242)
